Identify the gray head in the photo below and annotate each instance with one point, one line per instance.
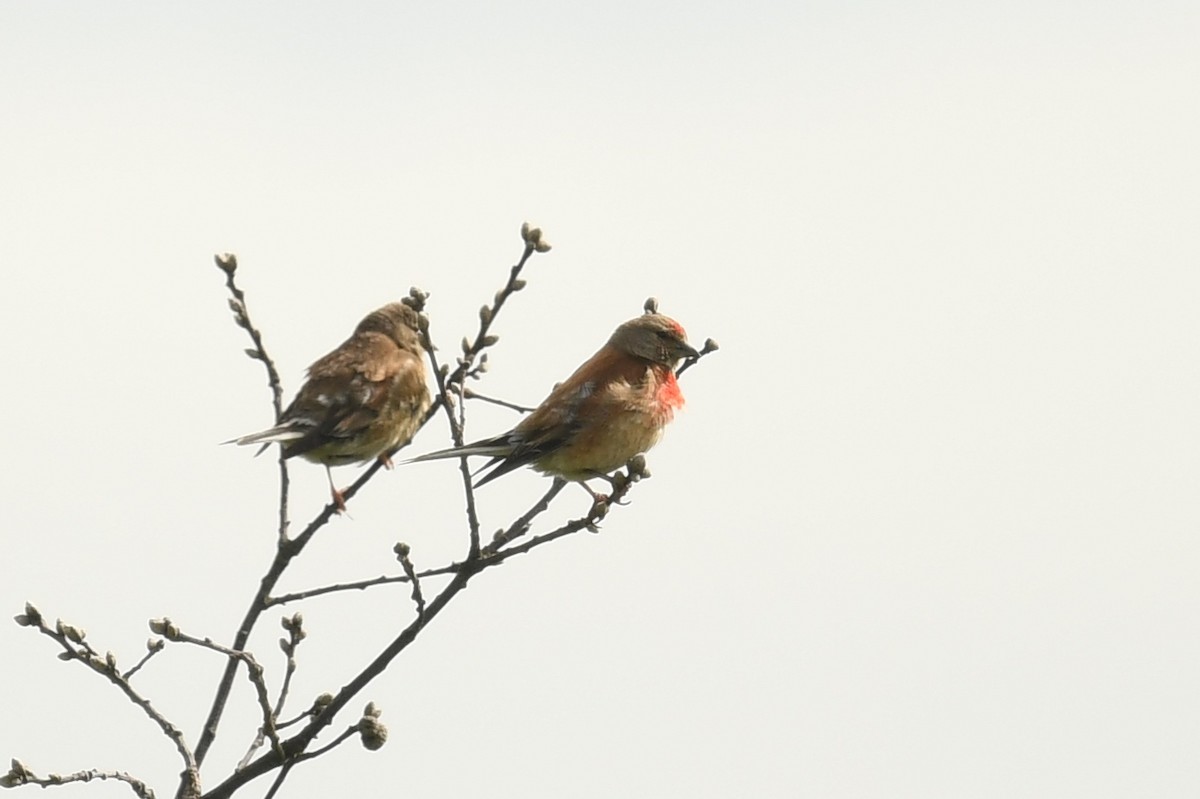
(653, 337)
(396, 321)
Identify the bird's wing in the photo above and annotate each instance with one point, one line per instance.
(582, 400)
(348, 389)
(518, 447)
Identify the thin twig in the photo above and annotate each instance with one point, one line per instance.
(71, 639)
(470, 393)
(345, 734)
(456, 380)
(521, 525)
(709, 346)
(168, 629)
(472, 513)
(227, 263)
(279, 778)
(153, 647)
(359, 585)
(294, 625)
(20, 775)
(402, 550)
(487, 315)
(296, 634)
(300, 758)
(299, 742)
(456, 427)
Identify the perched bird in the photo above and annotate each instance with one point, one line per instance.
(613, 407)
(360, 401)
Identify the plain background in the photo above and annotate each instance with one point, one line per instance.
(927, 527)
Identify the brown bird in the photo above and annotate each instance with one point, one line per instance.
(361, 401)
(613, 407)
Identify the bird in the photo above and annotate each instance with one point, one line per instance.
(360, 401)
(613, 407)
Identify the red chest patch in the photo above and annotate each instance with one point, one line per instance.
(669, 396)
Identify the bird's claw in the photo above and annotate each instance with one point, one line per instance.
(599, 510)
(339, 502)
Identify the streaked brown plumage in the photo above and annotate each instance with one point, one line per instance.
(361, 401)
(613, 407)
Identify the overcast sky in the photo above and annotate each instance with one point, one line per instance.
(927, 527)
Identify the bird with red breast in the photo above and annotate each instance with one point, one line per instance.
(613, 407)
(361, 401)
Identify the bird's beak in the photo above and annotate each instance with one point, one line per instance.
(686, 351)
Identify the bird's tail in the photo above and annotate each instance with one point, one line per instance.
(491, 448)
(275, 435)
(504, 452)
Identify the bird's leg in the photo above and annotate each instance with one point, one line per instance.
(338, 498)
(386, 461)
(613, 483)
(600, 503)
(596, 497)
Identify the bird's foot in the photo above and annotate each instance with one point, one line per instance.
(386, 462)
(599, 509)
(616, 481)
(339, 501)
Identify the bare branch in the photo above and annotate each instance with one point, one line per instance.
(20, 775)
(71, 639)
(709, 346)
(166, 628)
(401, 549)
(346, 734)
(359, 585)
(446, 392)
(521, 525)
(470, 393)
(297, 744)
(472, 350)
(487, 315)
(227, 263)
(153, 647)
(294, 625)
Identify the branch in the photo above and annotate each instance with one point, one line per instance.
(453, 383)
(153, 647)
(470, 393)
(287, 767)
(297, 744)
(295, 630)
(71, 639)
(401, 549)
(227, 263)
(170, 631)
(709, 346)
(294, 626)
(521, 525)
(20, 775)
(359, 585)
(447, 401)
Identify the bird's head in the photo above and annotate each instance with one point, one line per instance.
(655, 338)
(396, 321)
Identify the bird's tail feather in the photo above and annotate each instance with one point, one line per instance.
(493, 449)
(276, 435)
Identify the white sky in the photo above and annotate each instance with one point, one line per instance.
(927, 528)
